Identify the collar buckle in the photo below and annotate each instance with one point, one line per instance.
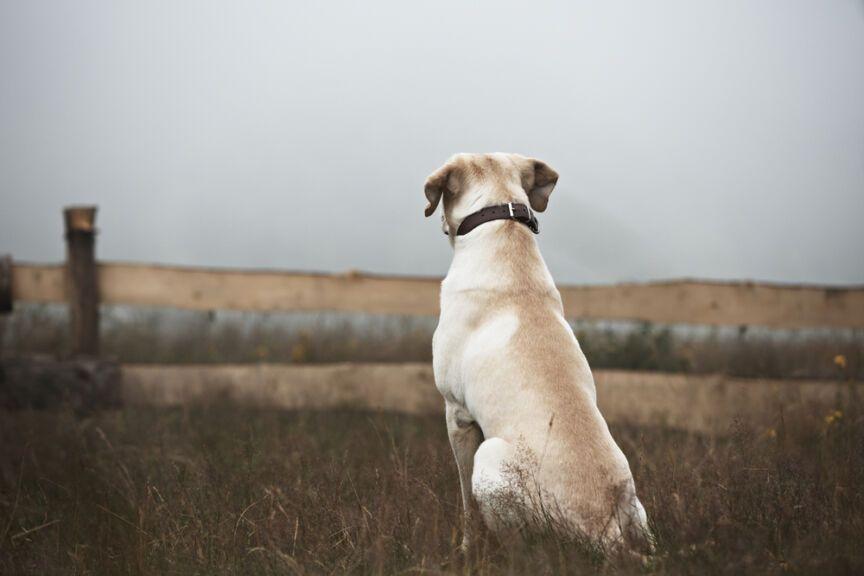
(506, 211)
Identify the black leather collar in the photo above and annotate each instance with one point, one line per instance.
(510, 211)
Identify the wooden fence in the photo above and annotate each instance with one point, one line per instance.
(85, 284)
(706, 404)
(684, 301)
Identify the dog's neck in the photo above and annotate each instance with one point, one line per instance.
(499, 256)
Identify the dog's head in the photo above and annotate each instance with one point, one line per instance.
(469, 182)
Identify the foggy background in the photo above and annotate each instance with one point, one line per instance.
(703, 139)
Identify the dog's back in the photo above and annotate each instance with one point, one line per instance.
(506, 359)
(527, 384)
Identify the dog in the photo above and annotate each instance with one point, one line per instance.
(530, 444)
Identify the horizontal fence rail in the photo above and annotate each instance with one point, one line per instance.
(705, 404)
(694, 403)
(678, 302)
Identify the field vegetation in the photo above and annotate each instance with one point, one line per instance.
(157, 336)
(224, 491)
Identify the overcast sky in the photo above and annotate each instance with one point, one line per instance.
(704, 139)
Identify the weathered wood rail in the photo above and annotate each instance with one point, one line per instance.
(684, 301)
(694, 403)
(705, 404)
(84, 284)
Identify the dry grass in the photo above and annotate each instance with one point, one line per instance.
(221, 491)
(154, 336)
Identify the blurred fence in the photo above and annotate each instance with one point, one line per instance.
(676, 302)
(695, 403)
(85, 284)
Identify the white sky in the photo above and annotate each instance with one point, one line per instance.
(719, 139)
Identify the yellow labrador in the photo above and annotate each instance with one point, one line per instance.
(529, 441)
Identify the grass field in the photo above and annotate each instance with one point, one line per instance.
(222, 491)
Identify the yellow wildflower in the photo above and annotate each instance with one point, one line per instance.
(298, 352)
(833, 417)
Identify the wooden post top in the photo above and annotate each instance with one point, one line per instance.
(80, 218)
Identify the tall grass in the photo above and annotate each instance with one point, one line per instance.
(219, 491)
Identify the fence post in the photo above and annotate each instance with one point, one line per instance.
(82, 283)
(5, 284)
(6, 302)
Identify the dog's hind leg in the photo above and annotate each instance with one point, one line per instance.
(465, 436)
(637, 531)
(496, 485)
(630, 528)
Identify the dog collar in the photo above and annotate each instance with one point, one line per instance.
(510, 211)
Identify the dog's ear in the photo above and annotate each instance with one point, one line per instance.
(442, 180)
(538, 180)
